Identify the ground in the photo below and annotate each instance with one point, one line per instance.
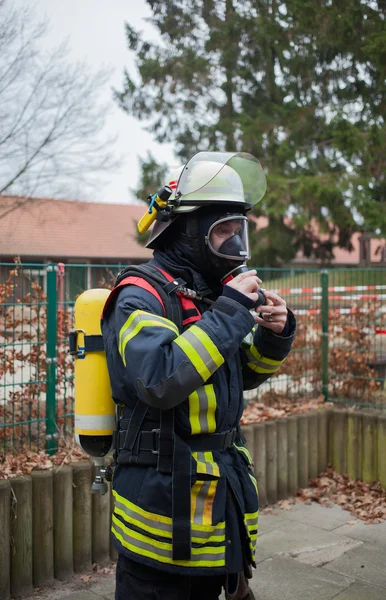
(305, 552)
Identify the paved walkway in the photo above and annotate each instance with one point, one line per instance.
(307, 553)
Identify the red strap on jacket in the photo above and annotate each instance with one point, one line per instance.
(187, 304)
(139, 282)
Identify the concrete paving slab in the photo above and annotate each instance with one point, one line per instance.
(366, 563)
(104, 587)
(374, 533)
(327, 518)
(285, 579)
(80, 596)
(270, 521)
(362, 591)
(317, 557)
(297, 537)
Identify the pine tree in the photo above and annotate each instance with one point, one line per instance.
(299, 84)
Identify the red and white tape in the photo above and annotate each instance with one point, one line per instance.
(338, 288)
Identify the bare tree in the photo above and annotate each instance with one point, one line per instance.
(51, 115)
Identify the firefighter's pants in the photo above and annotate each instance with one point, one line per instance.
(138, 582)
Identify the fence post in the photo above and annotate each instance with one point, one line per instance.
(324, 309)
(51, 431)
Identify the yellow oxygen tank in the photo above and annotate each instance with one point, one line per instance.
(94, 406)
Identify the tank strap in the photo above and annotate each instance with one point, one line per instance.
(92, 343)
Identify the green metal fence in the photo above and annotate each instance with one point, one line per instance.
(339, 351)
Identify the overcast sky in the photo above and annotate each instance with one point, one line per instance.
(95, 33)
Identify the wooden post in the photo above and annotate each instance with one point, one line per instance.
(42, 527)
(63, 523)
(5, 529)
(323, 424)
(282, 458)
(312, 445)
(293, 470)
(82, 518)
(303, 450)
(271, 464)
(354, 445)
(260, 463)
(21, 536)
(382, 450)
(369, 455)
(339, 445)
(101, 514)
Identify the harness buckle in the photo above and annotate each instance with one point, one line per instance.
(229, 438)
(155, 433)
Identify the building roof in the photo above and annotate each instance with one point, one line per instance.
(342, 256)
(64, 229)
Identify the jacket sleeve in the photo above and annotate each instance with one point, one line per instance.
(262, 352)
(165, 366)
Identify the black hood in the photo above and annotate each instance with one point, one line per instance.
(183, 251)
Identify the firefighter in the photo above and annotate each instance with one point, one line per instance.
(186, 502)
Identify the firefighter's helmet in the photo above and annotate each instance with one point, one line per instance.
(208, 178)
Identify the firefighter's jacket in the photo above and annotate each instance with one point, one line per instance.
(201, 373)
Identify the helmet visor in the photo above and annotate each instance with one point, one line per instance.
(228, 238)
(222, 174)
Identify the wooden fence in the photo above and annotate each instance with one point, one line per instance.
(51, 526)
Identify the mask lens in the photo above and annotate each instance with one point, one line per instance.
(228, 238)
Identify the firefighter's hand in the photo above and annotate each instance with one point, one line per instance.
(246, 283)
(273, 314)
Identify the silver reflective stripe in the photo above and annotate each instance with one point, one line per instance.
(94, 422)
(203, 409)
(131, 515)
(159, 527)
(147, 317)
(200, 502)
(201, 350)
(252, 522)
(162, 549)
(261, 363)
(209, 467)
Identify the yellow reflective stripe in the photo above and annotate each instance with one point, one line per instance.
(208, 457)
(254, 481)
(206, 464)
(138, 320)
(268, 361)
(194, 413)
(202, 410)
(141, 511)
(207, 556)
(201, 351)
(208, 506)
(245, 451)
(259, 369)
(203, 494)
(151, 520)
(212, 405)
(262, 364)
(137, 314)
(196, 488)
(209, 345)
(251, 516)
(142, 525)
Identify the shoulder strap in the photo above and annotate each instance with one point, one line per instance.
(152, 280)
(190, 312)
